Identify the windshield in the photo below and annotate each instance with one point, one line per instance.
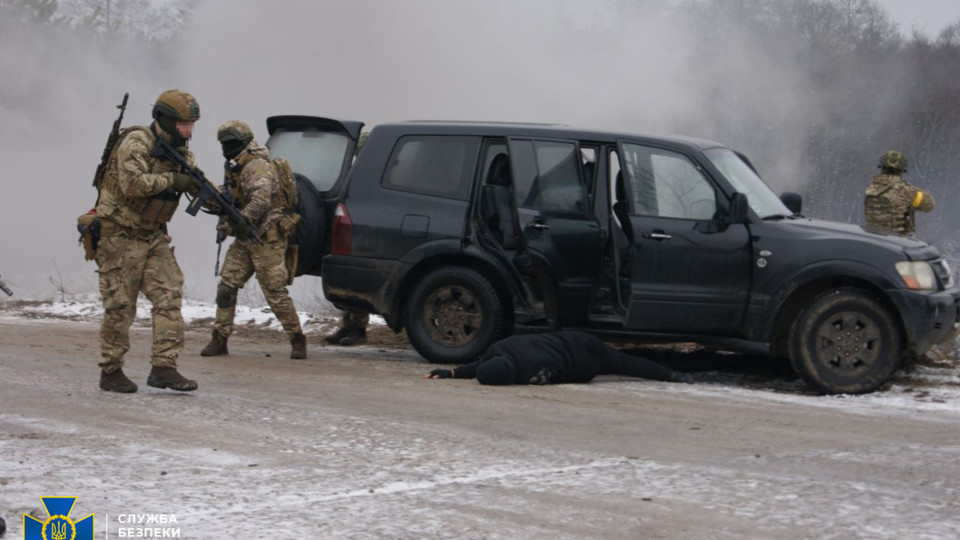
(317, 155)
(762, 199)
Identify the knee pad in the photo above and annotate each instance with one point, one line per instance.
(226, 295)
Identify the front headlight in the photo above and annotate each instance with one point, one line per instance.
(917, 275)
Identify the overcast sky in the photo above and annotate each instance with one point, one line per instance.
(928, 16)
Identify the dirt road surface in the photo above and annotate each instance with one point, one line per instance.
(352, 443)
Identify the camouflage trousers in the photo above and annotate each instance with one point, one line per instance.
(127, 267)
(354, 320)
(267, 261)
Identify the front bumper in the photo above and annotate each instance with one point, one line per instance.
(928, 317)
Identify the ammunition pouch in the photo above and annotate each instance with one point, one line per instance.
(288, 223)
(89, 228)
(161, 207)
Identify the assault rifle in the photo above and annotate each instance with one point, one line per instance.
(206, 191)
(4, 288)
(221, 225)
(111, 142)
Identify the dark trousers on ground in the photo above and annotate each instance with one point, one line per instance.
(614, 362)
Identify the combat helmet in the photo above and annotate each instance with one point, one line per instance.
(174, 106)
(893, 161)
(234, 136)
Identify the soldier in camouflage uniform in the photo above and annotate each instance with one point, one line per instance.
(353, 323)
(137, 197)
(890, 201)
(257, 191)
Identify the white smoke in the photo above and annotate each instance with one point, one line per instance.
(619, 64)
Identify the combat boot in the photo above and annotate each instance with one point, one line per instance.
(334, 338)
(168, 377)
(298, 346)
(216, 347)
(356, 336)
(117, 382)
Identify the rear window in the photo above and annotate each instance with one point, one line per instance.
(316, 154)
(433, 165)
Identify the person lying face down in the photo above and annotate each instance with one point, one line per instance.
(555, 358)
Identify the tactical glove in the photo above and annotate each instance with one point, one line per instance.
(240, 230)
(441, 374)
(182, 182)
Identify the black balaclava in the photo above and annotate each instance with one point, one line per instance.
(498, 370)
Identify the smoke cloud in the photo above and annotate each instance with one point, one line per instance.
(637, 65)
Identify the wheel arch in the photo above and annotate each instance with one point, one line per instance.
(486, 268)
(798, 297)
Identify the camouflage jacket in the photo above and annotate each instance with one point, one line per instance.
(136, 191)
(256, 186)
(891, 202)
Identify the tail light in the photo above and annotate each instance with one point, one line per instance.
(342, 235)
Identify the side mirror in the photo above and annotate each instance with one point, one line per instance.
(793, 201)
(738, 208)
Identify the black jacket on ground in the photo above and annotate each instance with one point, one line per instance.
(555, 358)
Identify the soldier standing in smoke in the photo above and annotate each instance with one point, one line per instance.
(138, 195)
(890, 201)
(353, 323)
(257, 190)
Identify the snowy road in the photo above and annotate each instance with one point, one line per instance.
(352, 443)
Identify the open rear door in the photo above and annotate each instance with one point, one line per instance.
(320, 152)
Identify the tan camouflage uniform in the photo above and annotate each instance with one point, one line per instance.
(134, 254)
(256, 191)
(891, 202)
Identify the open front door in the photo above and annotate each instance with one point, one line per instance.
(320, 152)
(688, 269)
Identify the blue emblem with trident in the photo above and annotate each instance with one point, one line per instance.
(58, 526)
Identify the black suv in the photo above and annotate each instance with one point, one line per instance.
(463, 233)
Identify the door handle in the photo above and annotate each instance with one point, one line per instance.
(659, 236)
(539, 225)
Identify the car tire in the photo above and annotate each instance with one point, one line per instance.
(452, 315)
(845, 342)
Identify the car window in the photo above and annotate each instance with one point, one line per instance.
(318, 155)
(745, 180)
(666, 184)
(433, 165)
(547, 176)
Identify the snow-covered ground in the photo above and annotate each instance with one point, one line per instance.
(932, 385)
(378, 452)
(86, 308)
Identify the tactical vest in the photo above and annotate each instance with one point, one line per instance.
(142, 213)
(884, 208)
(283, 196)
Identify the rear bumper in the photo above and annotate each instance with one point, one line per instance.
(928, 318)
(365, 284)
